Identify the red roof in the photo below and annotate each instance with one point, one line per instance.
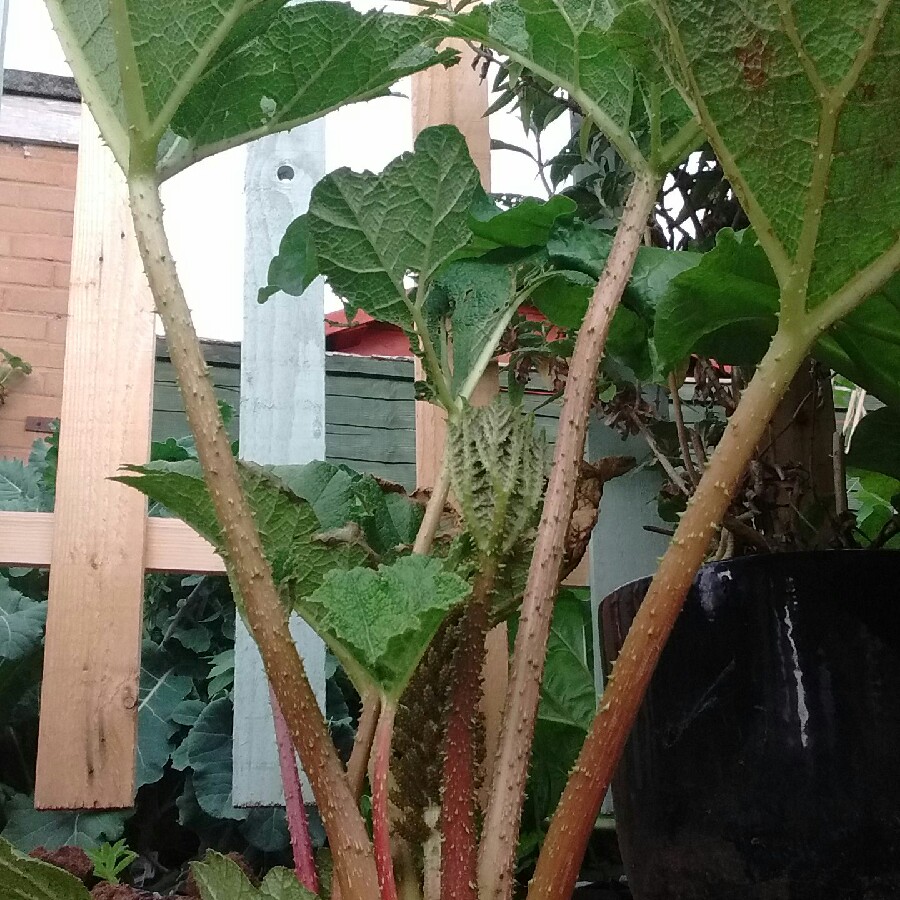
(365, 336)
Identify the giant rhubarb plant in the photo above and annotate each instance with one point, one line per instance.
(792, 98)
(795, 101)
(170, 83)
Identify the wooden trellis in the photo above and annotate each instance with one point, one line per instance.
(99, 541)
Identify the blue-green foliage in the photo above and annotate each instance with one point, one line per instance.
(184, 715)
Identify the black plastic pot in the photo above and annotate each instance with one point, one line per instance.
(765, 762)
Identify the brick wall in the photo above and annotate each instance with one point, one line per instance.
(37, 200)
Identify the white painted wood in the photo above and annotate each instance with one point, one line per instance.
(621, 550)
(4, 21)
(39, 120)
(282, 417)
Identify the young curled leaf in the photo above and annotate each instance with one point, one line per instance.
(497, 473)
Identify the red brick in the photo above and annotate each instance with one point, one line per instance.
(51, 382)
(43, 196)
(20, 403)
(25, 169)
(15, 220)
(10, 452)
(28, 298)
(40, 354)
(39, 246)
(22, 325)
(27, 271)
(10, 194)
(57, 326)
(61, 275)
(40, 151)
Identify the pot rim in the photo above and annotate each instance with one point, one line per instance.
(753, 559)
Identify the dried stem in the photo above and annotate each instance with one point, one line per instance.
(433, 512)
(501, 826)
(573, 821)
(353, 860)
(839, 467)
(362, 743)
(682, 431)
(295, 808)
(661, 457)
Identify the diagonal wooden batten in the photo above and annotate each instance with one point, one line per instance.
(86, 748)
(26, 539)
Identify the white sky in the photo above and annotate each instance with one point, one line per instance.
(205, 204)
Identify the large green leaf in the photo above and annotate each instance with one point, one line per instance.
(27, 827)
(568, 694)
(202, 75)
(799, 101)
(478, 298)
(564, 41)
(175, 39)
(21, 623)
(876, 443)
(339, 495)
(24, 878)
(207, 750)
(288, 525)
(567, 706)
(161, 694)
(370, 231)
(570, 43)
(310, 59)
(875, 501)
(294, 268)
(585, 249)
(20, 487)
(526, 224)
(379, 623)
(726, 307)
(266, 828)
(220, 878)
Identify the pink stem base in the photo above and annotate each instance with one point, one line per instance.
(298, 823)
(379, 768)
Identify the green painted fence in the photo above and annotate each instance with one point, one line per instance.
(369, 408)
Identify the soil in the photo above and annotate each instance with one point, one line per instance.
(108, 891)
(73, 859)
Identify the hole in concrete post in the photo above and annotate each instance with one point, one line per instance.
(285, 173)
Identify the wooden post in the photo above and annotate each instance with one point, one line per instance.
(282, 418)
(458, 97)
(86, 748)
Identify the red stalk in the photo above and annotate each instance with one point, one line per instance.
(298, 823)
(378, 777)
(459, 853)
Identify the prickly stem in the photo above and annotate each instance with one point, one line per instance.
(459, 852)
(573, 821)
(497, 853)
(354, 863)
